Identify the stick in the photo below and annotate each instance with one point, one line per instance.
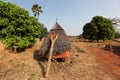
(50, 55)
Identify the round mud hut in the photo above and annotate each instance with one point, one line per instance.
(61, 49)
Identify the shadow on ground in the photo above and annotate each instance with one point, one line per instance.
(116, 41)
(116, 50)
(40, 61)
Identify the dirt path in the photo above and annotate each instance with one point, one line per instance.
(111, 59)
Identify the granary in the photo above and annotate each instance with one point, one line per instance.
(61, 49)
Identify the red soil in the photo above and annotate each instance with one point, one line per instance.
(110, 58)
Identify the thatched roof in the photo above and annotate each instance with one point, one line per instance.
(57, 27)
(61, 45)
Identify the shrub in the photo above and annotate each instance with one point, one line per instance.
(18, 30)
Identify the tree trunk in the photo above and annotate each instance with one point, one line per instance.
(50, 54)
(97, 40)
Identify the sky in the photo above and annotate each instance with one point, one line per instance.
(72, 15)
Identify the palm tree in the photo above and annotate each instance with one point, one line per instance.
(36, 10)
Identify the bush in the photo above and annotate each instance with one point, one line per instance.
(117, 35)
(99, 28)
(18, 30)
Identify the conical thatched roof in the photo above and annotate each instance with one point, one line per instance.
(57, 27)
(61, 45)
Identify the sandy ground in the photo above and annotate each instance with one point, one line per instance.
(88, 62)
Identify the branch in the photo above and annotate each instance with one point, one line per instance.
(50, 54)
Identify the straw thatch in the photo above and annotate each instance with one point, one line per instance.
(61, 45)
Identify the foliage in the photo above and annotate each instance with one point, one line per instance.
(90, 31)
(80, 36)
(36, 10)
(17, 28)
(99, 28)
(117, 35)
(43, 31)
(116, 24)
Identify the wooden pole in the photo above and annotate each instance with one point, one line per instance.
(50, 54)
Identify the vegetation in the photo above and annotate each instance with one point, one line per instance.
(99, 28)
(17, 29)
(116, 24)
(36, 10)
(43, 31)
(117, 35)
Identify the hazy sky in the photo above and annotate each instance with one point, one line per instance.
(71, 14)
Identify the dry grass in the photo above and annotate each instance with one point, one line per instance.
(19, 66)
(23, 66)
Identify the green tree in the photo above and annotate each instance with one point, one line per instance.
(43, 32)
(17, 29)
(90, 31)
(36, 10)
(99, 28)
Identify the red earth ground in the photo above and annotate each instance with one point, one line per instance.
(111, 57)
(89, 61)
